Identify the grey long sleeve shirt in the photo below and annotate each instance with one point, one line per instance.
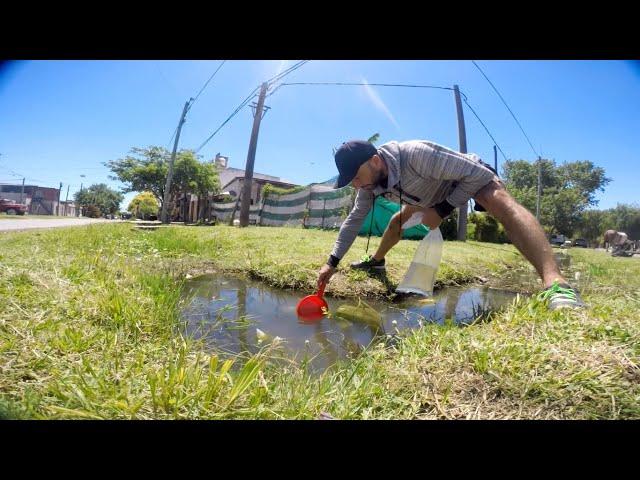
(427, 174)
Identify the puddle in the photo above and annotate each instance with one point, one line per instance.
(233, 313)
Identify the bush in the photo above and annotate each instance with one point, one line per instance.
(268, 188)
(92, 211)
(486, 229)
(449, 227)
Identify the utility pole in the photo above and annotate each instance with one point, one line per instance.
(78, 206)
(66, 200)
(22, 191)
(539, 188)
(59, 192)
(495, 158)
(462, 139)
(251, 157)
(167, 187)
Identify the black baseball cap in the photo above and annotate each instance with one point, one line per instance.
(350, 157)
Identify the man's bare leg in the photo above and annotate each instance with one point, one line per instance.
(393, 233)
(523, 230)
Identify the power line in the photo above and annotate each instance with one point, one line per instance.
(166, 80)
(365, 84)
(171, 139)
(205, 85)
(464, 97)
(11, 172)
(286, 72)
(240, 107)
(395, 85)
(505, 104)
(250, 97)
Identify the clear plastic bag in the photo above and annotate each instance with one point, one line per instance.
(422, 272)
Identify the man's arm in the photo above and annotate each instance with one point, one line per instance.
(348, 232)
(351, 226)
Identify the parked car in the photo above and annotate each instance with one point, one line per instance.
(580, 242)
(557, 239)
(11, 207)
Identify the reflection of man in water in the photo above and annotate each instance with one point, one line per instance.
(618, 241)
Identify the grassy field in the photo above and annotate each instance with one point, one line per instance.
(89, 329)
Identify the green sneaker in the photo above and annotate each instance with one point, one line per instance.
(367, 262)
(561, 296)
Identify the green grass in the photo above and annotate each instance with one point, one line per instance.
(89, 329)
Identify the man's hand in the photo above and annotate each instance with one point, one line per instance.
(325, 274)
(431, 218)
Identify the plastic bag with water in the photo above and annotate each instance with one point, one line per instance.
(422, 272)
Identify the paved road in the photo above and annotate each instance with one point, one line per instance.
(30, 223)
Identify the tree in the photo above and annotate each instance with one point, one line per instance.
(148, 173)
(486, 229)
(591, 226)
(101, 196)
(566, 190)
(143, 205)
(373, 138)
(192, 176)
(146, 169)
(624, 218)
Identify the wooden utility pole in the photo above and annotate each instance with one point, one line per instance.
(167, 187)
(79, 205)
(539, 188)
(59, 192)
(22, 191)
(462, 140)
(66, 200)
(495, 158)
(251, 157)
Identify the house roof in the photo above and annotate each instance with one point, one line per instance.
(228, 175)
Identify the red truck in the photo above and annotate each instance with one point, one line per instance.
(12, 208)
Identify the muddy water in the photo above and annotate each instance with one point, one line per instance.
(239, 315)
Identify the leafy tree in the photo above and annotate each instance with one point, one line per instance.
(101, 196)
(567, 190)
(146, 169)
(143, 205)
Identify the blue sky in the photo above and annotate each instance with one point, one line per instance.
(60, 119)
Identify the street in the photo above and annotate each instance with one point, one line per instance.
(22, 223)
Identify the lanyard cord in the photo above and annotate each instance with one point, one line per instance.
(373, 211)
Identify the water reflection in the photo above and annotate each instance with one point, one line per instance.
(226, 312)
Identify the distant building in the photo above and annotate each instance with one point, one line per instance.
(39, 200)
(232, 180)
(190, 206)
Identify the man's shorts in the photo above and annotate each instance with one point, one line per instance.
(409, 212)
(477, 207)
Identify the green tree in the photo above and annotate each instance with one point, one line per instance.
(624, 218)
(591, 226)
(101, 196)
(146, 169)
(373, 138)
(143, 205)
(486, 229)
(192, 176)
(566, 190)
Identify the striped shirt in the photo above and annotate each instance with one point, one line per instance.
(427, 174)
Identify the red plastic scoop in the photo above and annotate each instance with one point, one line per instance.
(310, 307)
